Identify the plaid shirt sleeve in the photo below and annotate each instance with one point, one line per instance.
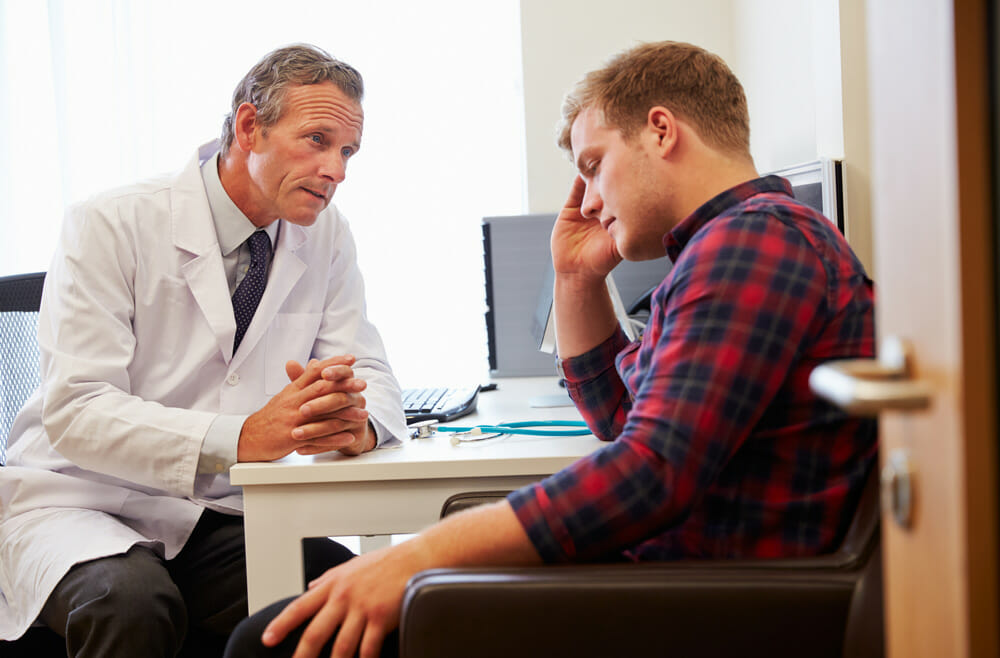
(599, 393)
(727, 326)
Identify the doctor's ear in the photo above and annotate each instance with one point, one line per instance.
(245, 127)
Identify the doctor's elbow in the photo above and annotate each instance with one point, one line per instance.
(61, 414)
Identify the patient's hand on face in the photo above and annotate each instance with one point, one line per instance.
(321, 409)
(581, 247)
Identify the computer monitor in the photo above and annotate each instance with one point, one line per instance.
(516, 260)
(819, 185)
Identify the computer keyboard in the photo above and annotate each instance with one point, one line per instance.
(440, 404)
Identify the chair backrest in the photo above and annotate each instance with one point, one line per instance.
(863, 534)
(20, 297)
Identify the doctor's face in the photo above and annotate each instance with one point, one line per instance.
(296, 164)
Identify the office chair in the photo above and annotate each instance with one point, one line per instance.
(20, 297)
(823, 606)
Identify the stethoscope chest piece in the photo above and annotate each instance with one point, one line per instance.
(423, 429)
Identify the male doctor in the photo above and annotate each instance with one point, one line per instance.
(189, 323)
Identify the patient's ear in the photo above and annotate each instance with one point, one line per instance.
(662, 124)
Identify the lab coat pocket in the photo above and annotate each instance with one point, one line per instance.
(290, 337)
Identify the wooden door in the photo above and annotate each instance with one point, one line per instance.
(934, 255)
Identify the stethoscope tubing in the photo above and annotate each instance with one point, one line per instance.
(524, 428)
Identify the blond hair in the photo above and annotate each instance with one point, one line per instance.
(691, 82)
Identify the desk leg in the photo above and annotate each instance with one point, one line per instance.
(274, 559)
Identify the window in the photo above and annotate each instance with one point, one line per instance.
(97, 93)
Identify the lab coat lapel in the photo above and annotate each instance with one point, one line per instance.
(286, 270)
(194, 233)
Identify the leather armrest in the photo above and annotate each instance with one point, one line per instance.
(684, 609)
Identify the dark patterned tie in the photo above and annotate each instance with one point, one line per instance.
(249, 292)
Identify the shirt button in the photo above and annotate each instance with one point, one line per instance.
(233, 379)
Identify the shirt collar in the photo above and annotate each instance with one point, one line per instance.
(232, 227)
(675, 240)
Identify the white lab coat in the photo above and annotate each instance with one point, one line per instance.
(136, 332)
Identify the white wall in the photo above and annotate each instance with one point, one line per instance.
(788, 58)
(563, 39)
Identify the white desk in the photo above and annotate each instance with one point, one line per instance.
(391, 491)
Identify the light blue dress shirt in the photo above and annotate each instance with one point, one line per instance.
(219, 450)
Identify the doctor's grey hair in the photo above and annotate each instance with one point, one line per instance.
(264, 86)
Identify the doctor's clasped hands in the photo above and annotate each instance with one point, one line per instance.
(321, 409)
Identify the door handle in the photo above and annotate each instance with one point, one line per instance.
(864, 387)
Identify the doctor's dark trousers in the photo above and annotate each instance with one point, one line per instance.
(138, 604)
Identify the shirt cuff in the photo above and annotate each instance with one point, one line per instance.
(383, 437)
(219, 449)
(592, 364)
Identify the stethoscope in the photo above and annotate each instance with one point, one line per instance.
(524, 428)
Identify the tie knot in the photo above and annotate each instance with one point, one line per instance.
(260, 245)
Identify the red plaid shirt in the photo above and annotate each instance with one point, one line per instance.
(718, 447)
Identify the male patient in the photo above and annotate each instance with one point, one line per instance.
(189, 323)
(718, 448)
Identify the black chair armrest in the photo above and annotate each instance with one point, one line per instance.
(683, 609)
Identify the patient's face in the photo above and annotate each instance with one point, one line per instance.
(296, 164)
(625, 191)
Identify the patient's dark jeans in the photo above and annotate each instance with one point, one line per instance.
(245, 640)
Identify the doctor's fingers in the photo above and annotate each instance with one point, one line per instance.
(333, 403)
(323, 387)
(338, 372)
(329, 443)
(314, 370)
(326, 428)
